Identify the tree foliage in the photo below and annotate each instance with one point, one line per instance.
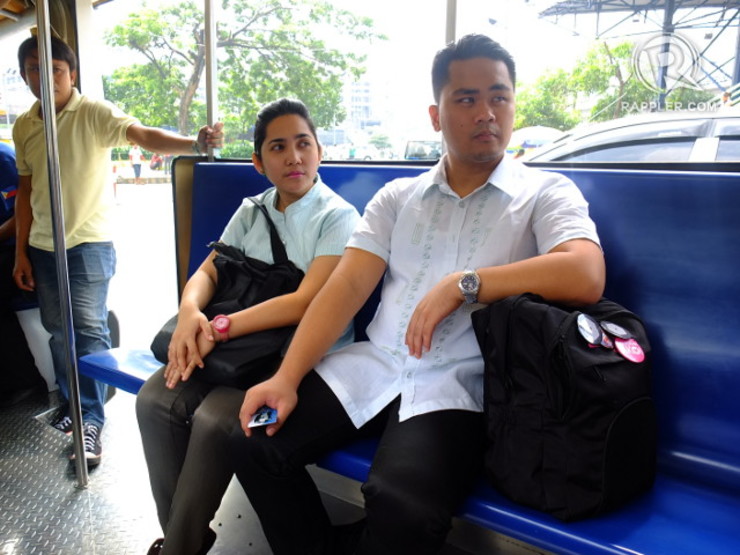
(266, 50)
(603, 81)
(549, 102)
(380, 141)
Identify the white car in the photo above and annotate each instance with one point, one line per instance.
(655, 137)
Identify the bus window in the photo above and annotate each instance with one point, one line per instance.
(368, 86)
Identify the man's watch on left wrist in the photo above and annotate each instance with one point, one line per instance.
(220, 325)
(469, 285)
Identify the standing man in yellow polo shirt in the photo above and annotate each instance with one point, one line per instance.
(87, 130)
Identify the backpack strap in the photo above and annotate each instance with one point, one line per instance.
(279, 255)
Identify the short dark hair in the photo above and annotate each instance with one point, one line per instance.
(60, 50)
(466, 48)
(281, 107)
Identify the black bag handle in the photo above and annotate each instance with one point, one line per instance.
(279, 255)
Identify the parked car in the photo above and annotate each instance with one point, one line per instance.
(423, 150)
(655, 137)
(529, 138)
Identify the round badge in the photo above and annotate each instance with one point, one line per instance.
(606, 341)
(616, 330)
(589, 329)
(630, 349)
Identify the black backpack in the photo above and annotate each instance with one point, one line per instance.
(571, 426)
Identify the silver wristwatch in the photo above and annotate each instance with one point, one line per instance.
(469, 286)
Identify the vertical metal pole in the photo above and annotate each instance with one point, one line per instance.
(736, 69)
(668, 29)
(48, 109)
(211, 89)
(450, 36)
(451, 23)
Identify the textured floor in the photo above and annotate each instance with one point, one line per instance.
(42, 511)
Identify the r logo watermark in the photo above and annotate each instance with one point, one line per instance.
(667, 61)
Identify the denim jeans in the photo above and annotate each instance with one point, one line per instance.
(90, 266)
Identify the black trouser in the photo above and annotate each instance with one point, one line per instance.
(423, 469)
(183, 431)
(19, 369)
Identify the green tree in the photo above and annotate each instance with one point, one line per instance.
(266, 49)
(602, 78)
(380, 141)
(688, 99)
(549, 102)
(605, 73)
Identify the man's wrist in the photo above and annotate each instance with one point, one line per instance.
(469, 286)
(195, 147)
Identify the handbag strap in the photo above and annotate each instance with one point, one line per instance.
(279, 255)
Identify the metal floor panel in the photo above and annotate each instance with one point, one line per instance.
(43, 512)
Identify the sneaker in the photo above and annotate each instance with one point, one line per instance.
(63, 424)
(92, 444)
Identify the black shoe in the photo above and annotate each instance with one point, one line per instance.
(208, 542)
(63, 424)
(156, 547)
(347, 536)
(92, 444)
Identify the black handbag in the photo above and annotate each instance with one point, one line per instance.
(243, 282)
(571, 426)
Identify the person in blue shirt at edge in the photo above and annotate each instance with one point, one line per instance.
(87, 130)
(477, 227)
(20, 379)
(315, 224)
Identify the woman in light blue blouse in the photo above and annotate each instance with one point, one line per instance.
(188, 475)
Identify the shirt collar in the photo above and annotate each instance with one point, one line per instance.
(503, 177)
(300, 204)
(72, 105)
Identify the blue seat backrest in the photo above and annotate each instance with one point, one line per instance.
(220, 187)
(672, 247)
(218, 190)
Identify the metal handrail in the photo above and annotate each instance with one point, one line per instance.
(48, 109)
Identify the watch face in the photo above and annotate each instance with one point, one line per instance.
(469, 283)
(221, 323)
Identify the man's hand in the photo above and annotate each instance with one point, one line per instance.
(211, 136)
(23, 274)
(275, 393)
(441, 301)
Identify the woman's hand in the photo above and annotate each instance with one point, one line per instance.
(193, 333)
(175, 373)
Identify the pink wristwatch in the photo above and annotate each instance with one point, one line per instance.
(221, 325)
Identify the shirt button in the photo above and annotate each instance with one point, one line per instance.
(461, 204)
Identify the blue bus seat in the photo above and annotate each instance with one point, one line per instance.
(672, 245)
(125, 369)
